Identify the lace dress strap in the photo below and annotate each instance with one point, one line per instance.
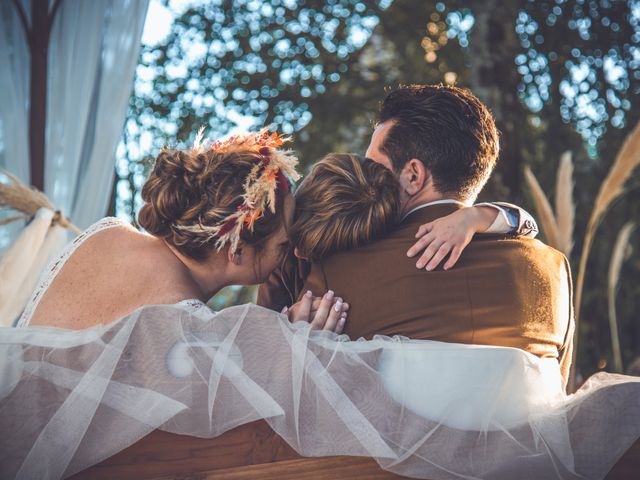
(56, 265)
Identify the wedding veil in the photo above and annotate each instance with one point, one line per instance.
(69, 399)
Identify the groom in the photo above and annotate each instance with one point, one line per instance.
(442, 144)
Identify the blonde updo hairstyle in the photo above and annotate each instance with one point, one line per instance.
(186, 187)
(346, 202)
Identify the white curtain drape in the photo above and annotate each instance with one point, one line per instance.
(14, 102)
(93, 55)
(14, 92)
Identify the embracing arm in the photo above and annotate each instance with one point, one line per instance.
(448, 236)
(511, 219)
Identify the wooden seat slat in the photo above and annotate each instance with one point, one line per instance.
(254, 451)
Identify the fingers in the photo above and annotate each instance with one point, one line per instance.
(315, 306)
(343, 318)
(442, 252)
(445, 236)
(323, 311)
(326, 313)
(453, 258)
(331, 314)
(302, 312)
(428, 254)
(424, 229)
(339, 310)
(421, 244)
(334, 315)
(341, 323)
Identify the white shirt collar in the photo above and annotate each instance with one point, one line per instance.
(435, 202)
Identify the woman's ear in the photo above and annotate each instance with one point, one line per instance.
(235, 256)
(298, 254)
(414, 177)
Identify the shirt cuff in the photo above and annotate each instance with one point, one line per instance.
(505, 222)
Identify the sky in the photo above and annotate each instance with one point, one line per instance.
(158, 23)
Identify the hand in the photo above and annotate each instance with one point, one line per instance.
(323, 313)
(449, 236)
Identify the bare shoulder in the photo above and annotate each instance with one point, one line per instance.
(111, 273)
(110, 248)
(115, 238)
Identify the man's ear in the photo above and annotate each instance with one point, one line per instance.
(414, 177)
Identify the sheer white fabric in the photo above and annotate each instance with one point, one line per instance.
(92, 58)
(22, 264)
(93, 53)
(14, 85)
(423, 409)
(14, 104)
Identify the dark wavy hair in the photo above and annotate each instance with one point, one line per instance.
(448, 129)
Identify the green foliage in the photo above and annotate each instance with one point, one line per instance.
(233, 295)
(259, 59)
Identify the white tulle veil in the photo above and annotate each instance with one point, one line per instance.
(69, 399)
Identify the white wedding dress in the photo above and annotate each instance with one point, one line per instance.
(424, 409)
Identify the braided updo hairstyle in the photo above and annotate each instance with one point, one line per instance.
(186, 187)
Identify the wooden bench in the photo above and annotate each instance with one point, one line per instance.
(254, 451)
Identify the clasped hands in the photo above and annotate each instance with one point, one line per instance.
(323, 313)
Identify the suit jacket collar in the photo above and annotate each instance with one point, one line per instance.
(430, 212)
(435, 202)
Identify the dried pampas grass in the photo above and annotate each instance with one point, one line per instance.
(620, 253)
(565, 208)
(612, 187)
(543, 207)
(558, 226)
(17, 196)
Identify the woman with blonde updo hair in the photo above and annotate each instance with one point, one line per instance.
(346, 202)
(213, 217)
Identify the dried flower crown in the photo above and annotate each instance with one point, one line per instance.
(274, 169)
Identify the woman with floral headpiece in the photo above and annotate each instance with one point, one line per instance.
(214, 215)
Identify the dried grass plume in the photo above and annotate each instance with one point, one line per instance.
(17, 196)
(612, 187)
(543, 207)
(565, 206)
(621, 251)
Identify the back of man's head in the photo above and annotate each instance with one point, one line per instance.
(448, 129)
